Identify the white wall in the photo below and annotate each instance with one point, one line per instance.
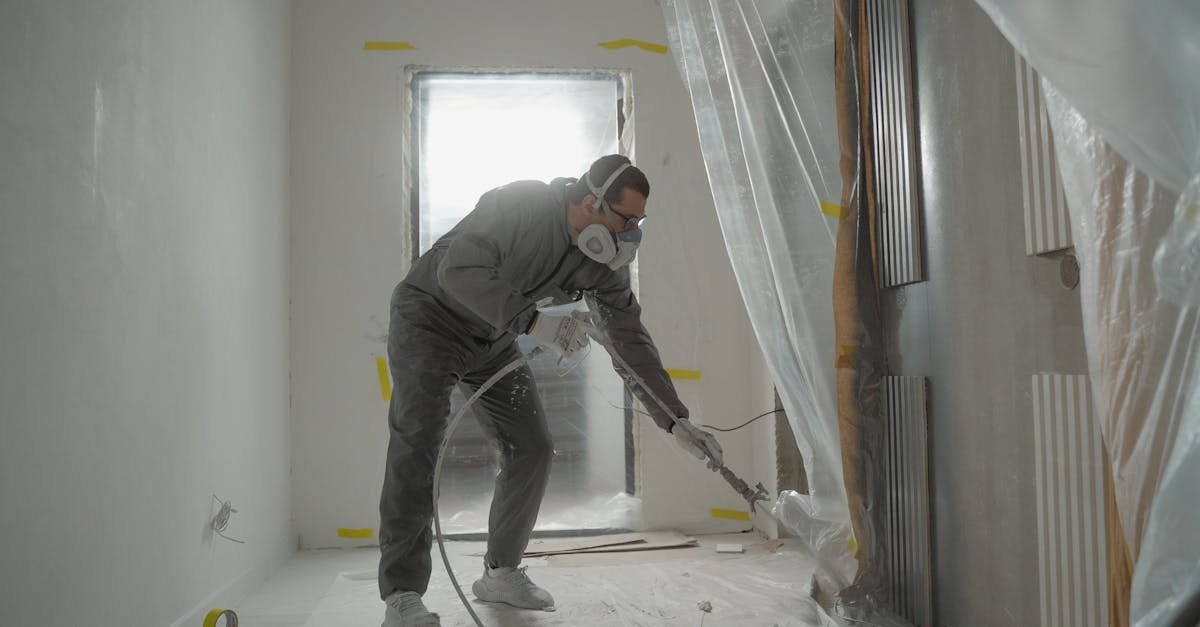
(143, 306)
(349, 237)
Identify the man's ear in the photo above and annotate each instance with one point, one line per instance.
(589, 202)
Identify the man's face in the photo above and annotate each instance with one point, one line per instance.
(627, 213)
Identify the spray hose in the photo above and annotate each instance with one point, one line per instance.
(437, 469)
(442, 453)
(753, 495)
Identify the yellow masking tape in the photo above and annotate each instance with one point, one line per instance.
(617, 44)
(388, 45)
(846, 358)
(676, 373)
(731, 514)
(852, 544)
(355, 533)
(836, 211)
(230, 618)
(385, 379)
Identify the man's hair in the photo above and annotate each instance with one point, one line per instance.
(603, 168)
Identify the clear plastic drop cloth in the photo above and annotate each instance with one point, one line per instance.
(1177, 260)
(778, 114)
(774, 87)
(1129, 66)
(1143, 344)
(826, 540)
(1166, 584)
(764, 585)
(760, 76)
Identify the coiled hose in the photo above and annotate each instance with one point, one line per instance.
(437, 468)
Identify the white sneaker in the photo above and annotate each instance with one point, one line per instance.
(512, 586)
(405, 609)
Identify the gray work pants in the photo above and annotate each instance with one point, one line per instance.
(429, 353)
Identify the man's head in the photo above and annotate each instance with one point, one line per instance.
(625, 196)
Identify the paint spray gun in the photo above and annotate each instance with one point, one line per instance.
(752, 496)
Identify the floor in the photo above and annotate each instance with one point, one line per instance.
(765, 585)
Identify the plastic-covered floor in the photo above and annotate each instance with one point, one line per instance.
(765, 585)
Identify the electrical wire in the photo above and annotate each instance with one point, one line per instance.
(708, 427)
(744, 424)
(221, 520)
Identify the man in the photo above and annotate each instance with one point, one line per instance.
(454, 321)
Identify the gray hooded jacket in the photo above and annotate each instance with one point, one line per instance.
(514, 253)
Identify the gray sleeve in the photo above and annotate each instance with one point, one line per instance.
(619, 315)
(470, 269)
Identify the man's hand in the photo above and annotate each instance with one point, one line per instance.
(565, 334)
(699, 443)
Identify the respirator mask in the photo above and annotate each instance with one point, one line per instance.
(615, 250)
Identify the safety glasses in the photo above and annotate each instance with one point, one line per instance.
(631, 222)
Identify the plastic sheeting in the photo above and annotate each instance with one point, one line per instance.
(774, 86)
(765, 585)
(825, 540)
(779, 121)
(1143, 360)
(760, 76)
(1124, 104)
(1128, 66)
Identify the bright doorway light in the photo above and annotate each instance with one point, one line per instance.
(480, 131)
(475, 132)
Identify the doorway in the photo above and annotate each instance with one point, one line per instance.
(471, 131)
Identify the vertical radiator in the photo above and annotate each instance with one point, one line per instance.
(895, 147)
(1047, 225)
(1070, 503)
(905, 510)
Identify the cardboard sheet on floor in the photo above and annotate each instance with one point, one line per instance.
(633, 558)
(548, 546)
(646, 541)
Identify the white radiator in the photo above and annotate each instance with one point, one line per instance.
(1070, 503)
(899, 230)
(1047, 225)
(905, 509)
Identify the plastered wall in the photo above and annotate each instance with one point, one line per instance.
(143, 307)
(984, 322)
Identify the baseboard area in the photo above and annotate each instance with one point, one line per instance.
(229, 595)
